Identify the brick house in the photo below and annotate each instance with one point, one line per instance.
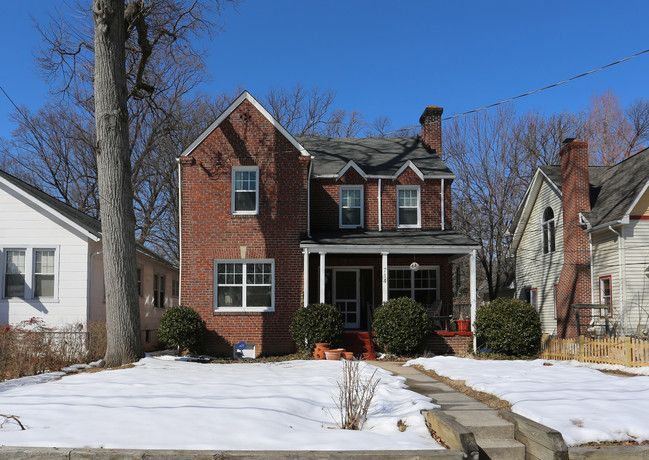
(581, 237)
(270, 223)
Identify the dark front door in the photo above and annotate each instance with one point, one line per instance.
(346, 296)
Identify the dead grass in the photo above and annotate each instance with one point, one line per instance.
(459, 385)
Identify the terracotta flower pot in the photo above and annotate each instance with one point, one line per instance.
(348, 355)
(319, 353)
(463, 325)
(333, 355)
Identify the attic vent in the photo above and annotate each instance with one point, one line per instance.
(245, 116)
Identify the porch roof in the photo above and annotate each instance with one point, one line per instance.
(396, 241)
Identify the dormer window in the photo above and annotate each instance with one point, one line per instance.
(548, 231)
(408, 207)
(351, 206)
(245, 190)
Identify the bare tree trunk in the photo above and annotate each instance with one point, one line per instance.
(114, 182)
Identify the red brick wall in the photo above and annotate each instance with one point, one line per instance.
(449, 343)
(574, 282)
(210, 231)
(431, 127)
(325, 201)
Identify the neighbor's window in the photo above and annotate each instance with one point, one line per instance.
(14, 273)
(175, 288)
(534, 298)
(605, 296)
(421, 285)
(548, 231)
(408, 207)
(159, 290)
(43, 273)
(139, 281)
(244, 285)
(351, 206)
(245, 190)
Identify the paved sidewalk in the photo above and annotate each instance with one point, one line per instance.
(494, 435)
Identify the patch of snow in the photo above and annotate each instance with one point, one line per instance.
(585, 405)
(169, 403)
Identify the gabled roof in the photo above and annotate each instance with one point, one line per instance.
(614, 192)
(82, 222)
(226, 113)
(376, 156)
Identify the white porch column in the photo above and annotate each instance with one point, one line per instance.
(322, 277)
(384, 277)
(306, 276)
(473, 296)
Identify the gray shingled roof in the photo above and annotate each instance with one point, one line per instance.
(90, 224)
(613, 189)
(376, 156)
(390, 238)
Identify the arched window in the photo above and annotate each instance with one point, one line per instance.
(548, 231)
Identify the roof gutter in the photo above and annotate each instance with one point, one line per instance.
(622, 221)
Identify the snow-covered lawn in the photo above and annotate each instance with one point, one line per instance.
(163, 403)
(585, 405)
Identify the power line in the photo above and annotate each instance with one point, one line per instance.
(533, 92)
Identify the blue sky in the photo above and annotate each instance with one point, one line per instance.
(394, 58)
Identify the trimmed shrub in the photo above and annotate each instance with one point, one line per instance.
(401, 325)
(318, 322)
(182, 328)
(510, 327)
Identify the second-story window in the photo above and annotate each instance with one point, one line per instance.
(408, 207)
(245, 190)
(351, 206)
(548, 231)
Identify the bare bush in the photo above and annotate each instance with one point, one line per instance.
(32, 348)
(355, 396)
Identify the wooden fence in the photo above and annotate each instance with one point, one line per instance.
(628, 351)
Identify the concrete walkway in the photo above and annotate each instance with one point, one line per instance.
(494, 435)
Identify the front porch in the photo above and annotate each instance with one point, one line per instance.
(358, 271)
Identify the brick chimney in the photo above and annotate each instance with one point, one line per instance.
(431, 127)
(574, 283)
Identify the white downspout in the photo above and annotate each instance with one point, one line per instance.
(308, 199)
(620, 247)
(442, 217)
(180, 231)
(379, 200)
(472, 293)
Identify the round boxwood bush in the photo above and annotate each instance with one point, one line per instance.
(401, 325)
(318, 322)
(182, 328)
(509, 327)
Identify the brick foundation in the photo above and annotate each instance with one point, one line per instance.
(449, 343)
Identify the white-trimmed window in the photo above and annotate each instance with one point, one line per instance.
(244, 285)
(548, 231)
(606, 295)
(29, 273)
(351, 206)
(245, 190)
(534, 298)
(159, 282)
(408, 206)
(421, 285)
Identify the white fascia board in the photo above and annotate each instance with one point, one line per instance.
(49, 209)
(245, 95)
(395, 249)
(624, 220)
(385, 176)
(637, 199)
(351, 164)
(411, 165)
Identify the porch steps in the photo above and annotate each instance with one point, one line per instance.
(360, 343)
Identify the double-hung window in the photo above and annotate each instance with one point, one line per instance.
(548, 231)
(159, 282)
(351, 206)
(245, 190)
(244, 285)
(605, 296)
(408, 207)
(29, 273)
(421, 285)
(534, 298)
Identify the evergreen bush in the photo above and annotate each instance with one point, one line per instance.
(318, 322)
(401, 325)
(509, 326)
(182, 328)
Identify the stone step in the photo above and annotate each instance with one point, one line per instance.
(501, 449)
(485, 424)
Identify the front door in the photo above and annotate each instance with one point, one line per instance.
(346, 296)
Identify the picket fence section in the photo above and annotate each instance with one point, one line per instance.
(628, 351)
